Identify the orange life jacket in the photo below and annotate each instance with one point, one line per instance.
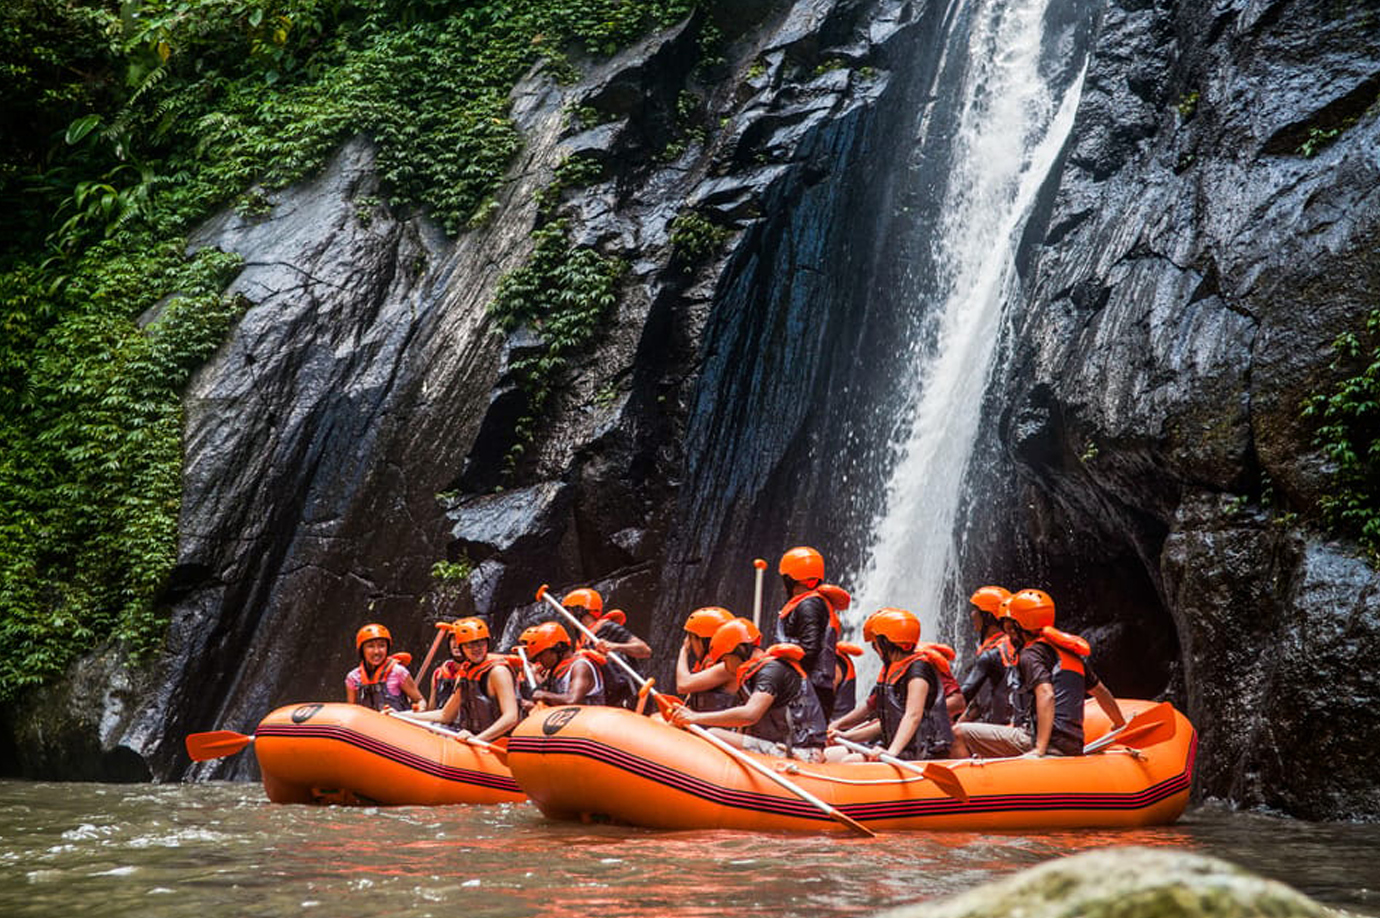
(373, 690)
(835, 597)
(797, 723)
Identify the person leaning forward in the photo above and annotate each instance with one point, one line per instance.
(778, 708)
(1054, 678)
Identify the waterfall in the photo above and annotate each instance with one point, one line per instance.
(1008, 126)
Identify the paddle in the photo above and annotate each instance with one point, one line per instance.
(743, 758)
(442, 629)
(942, 777)
(498, 752)
(761, 566)
(527, 667)
(1153, 725)
(217, 744)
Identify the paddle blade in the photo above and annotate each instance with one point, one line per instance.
(944, 778)
(216, 744)
(1153, 725)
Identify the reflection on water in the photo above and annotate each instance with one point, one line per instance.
(222, 849)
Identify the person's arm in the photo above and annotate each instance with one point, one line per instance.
(706, 680)
(744, 715)
(351, 693)
(409, 688)
(581, 683)
(853, 717)
(917, 691)
(1044, 716)
(635, 648)
(431, 693)
(1107, 702)
(810, 620)
(446, 715)
(866, 733)
(503, 690)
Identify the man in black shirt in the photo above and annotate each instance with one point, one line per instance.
(1054, 678)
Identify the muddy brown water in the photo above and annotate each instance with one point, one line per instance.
(222, 849)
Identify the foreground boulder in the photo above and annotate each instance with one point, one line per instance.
(1126, 883)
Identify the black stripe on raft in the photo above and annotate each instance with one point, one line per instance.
(384, 750)
(894, 809)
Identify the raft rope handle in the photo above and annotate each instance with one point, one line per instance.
(791, 768)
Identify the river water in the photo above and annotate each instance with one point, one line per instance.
(222, 849)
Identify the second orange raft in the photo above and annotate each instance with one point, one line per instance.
(345, 753)
(608, 764)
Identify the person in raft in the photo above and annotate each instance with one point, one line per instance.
(1054, 678)
(845, 678)
(572, 676)
(778, 709)
(905, 710)
(706, 688)
(810, 617)
(987, 684)
(485, 706)
(380, 680)
(445, 678)
(611, 637)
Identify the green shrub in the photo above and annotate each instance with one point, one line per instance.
(1349, 436)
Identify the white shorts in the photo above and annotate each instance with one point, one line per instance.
(767, 747)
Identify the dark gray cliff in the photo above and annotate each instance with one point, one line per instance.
(1147, 450)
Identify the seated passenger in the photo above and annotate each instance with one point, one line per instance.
(1054, 678)
(611, 637)
(845, 678)
(445, 678)
(485, 705)
(381, 680)
(987, 685)
(903, 711)
(571, 676)
(706, 688)
(778, 707)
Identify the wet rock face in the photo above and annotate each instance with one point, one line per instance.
(1195, 266)
(355, 428)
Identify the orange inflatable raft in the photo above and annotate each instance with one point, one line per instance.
(349, 754)
(607, 764)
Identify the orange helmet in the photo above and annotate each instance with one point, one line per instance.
(802, 563)
(729, 637)
(1032, 609)
(853, 650)
(1004, 610)
(989, 598)
(898, 626)
(543, 637)
(372, 632)
(704, 622)
(585, 598)
(469, 629)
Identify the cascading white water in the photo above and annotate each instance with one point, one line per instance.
(1009, 128)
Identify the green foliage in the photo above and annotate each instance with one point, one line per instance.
(90, 483)
(1349, 435)
(124, 124)
(562, 293)
(1317, 139)
(1188, 105)
(695, 238)
(452, 572)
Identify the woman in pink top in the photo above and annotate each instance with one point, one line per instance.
(380, 681)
